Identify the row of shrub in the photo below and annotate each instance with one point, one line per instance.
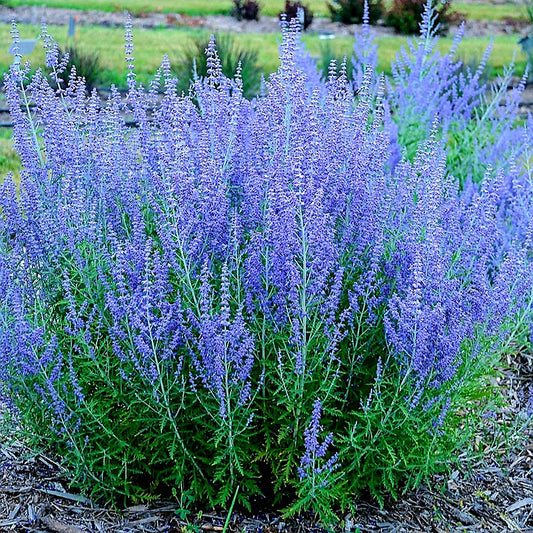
(294, 9)
(404, 15)
(188, 62)
(295, 299)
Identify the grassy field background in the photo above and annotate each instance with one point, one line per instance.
(151, 45)
(270, 8)
(9, 159)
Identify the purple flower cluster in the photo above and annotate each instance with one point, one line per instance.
(313, 463)
(223, 354)
(207, 274)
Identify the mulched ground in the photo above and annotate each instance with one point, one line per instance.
(495, 495)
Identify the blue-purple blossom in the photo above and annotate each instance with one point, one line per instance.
(214, 269)
(313, 462)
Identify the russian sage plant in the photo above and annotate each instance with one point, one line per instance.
(280, 297)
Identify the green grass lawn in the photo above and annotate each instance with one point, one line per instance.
(269, 7)
(151, 45)
(9, 159)
(486, 11)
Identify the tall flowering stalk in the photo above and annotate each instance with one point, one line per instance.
(286, 295)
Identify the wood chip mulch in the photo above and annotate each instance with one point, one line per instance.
(495, 495)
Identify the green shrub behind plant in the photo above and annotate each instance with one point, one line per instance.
(352, 11)
(87, 65)
(292, 11)
(405, 16)
(190, 63)
(246, 9)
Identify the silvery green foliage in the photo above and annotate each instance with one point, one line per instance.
(232, 283)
